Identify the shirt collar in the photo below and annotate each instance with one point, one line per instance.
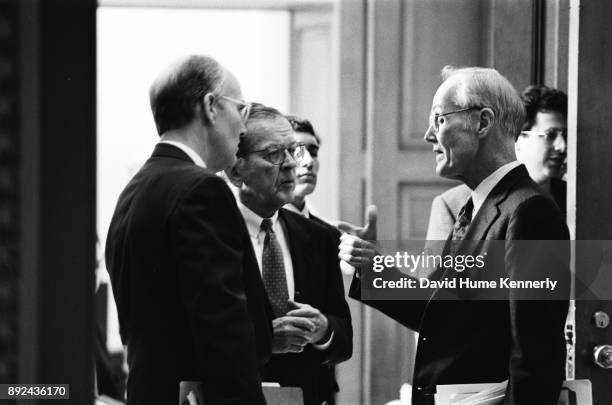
(252, 220)
(481, 192)
(197, 159)
(303, 212)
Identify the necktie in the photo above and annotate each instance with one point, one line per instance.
(273, 269)
(463, 220)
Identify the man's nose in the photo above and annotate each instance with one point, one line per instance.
(429, 135)
(306, 160)
(289, 162)
(560, 143)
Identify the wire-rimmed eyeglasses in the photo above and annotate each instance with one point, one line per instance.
(438, 119)
(276, 154)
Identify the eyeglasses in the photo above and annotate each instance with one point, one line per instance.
(243, 107)
(313, 150)
(549, 136)
(438, 119)
(276, 154)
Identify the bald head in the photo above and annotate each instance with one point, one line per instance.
(175, 93)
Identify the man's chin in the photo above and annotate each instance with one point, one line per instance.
(284, 197)
(304, 189)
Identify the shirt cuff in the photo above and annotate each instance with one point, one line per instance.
(324, 346)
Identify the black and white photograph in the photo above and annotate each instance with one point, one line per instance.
(309, 202)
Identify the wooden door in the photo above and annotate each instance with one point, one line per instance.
(590, 175)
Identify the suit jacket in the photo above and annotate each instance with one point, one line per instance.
(476, 341)
(444, 210)
(318, 282)
(446, 206)
(183, 271)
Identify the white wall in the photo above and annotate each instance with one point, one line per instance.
(135, 44)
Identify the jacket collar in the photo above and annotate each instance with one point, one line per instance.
(171, 151)
(490, 211)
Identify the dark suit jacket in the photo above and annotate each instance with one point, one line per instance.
(446, 206)
(475, 341)
(182, 270)
(318, 282)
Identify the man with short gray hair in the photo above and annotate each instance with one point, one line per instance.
(297, 259)
(190, 302)
(491, 335)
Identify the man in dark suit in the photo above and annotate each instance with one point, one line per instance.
(307, 173)
(476, 115)
(298, 261)
(178, 253)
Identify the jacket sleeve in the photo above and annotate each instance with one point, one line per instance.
(208, 254)
(406, 312)
(537, 247)
(336, 308)
(441, 220)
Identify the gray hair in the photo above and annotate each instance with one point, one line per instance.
(260, 117)
(176, 92)
(486, 87)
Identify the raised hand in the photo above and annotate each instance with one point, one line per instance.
(356, 247)
(367, 232)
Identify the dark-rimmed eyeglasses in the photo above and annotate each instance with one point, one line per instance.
(243, 107)
(277, 154)
(438, 119)
(550, 135)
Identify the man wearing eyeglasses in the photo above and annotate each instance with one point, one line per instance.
(297, 260)
(541, 147)
(191, 304)
(307, 171)
(485, 336)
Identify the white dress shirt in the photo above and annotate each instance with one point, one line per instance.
(257, 236)
(193, 155)
(303, 212)
(481, 192)
(253, 223)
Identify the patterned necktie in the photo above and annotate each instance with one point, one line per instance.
(463, 220)
(274, 278)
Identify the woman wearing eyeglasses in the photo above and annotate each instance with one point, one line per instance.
(542, 145)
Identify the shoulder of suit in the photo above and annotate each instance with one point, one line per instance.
(460, 192)
(455, 197)
(308, 224)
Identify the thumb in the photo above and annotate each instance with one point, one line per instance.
(294, 305)
(370, 231)
(346, 227)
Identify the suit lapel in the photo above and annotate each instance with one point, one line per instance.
(299, 247)
(490, 210)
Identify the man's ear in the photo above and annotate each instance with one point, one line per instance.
(209, 109)
(486, 119)
(233, 173)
